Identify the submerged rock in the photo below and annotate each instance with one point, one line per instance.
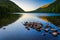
(4, 28)
(39, 26)
(33, 25)
(54, 33)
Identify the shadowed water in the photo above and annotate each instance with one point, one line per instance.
(17, 31)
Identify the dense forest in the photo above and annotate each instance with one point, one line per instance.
(52, 8)
(7, 6)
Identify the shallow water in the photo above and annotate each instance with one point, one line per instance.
(17, 31)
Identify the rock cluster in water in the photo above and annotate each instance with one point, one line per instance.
(39, 27)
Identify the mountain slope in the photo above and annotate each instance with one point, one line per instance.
(52, 8)
(7, 6)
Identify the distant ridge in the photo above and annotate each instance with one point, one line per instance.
(7, 6)
(52, 8)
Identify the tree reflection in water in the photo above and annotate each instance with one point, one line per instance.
(6, 19)
(53, 19)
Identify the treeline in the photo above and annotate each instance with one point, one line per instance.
(9, 7)
(52, 8)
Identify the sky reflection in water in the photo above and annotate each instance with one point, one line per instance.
(17, 31)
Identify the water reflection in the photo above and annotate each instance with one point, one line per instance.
(53, 19)
(6, 19)
(17, 31)
(41, 14)
(32, 18)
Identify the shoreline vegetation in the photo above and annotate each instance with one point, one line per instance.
(7, 6)
(52, 8)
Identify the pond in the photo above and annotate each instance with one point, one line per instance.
(15, 30)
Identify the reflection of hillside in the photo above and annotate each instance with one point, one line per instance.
(53, 19)
(8, 19)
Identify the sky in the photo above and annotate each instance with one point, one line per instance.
(29, 5)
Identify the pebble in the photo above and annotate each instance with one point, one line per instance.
(54, 33)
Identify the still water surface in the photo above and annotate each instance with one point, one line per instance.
(17, 31)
